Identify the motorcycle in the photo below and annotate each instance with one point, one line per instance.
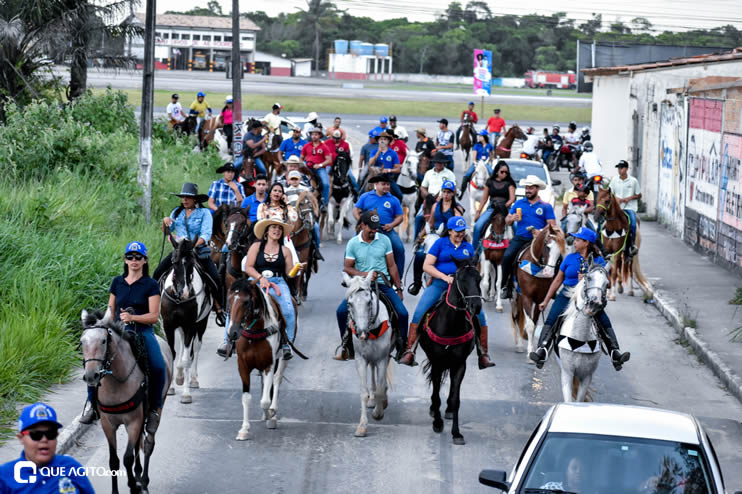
(560, 157)
(526, 156)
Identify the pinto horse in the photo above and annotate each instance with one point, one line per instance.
(536, 266)
(303, 239)
(614, 233)
(494, 243)
(502, 150)
(466, 141)
(408, 184)
(447, 335)
(207, 131)
(341, 198)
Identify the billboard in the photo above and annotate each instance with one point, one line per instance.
(482, 72)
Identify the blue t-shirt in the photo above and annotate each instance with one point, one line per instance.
(445, 252)
(135, 295)
(571, 267)
(65, 478)
(387, 159)
(482, 151)
(253, 203)
(290, 148)
(535, 215)
(386, 206)
(368, 150)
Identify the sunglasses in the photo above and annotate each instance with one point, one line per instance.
(50, 434)
(134, 257)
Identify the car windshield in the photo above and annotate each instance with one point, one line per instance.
(617, 465)
(522, 170)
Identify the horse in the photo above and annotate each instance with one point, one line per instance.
(478, 183)
(341, 197)
(408, 184)
(369, 321)
(448, 333)
(506, 143)
(578, 345)
(303, 238)
(218, 233)
(258, 326)
(574, 220)
(237, 239)
(207, 131)
(614, 233)
(537, 268)
(184, 311)
(107, 354)
(495, 241)
(372, 172)
(187, 126)
(466, 140)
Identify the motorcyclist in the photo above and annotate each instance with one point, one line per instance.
(572, 140)
(530, 146)
(589, 163)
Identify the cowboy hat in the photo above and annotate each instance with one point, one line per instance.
(293, 159)
(382, 177)
(312, 116)
(532, 180)
(191, 190)
(388, 134)
(226, 167)
(262, 225)
(421, 131)
(316, 130)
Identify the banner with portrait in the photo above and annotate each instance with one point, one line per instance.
(482, 72)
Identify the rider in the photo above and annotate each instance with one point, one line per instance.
(589, 163)
(368, 251)
(627, 190)
(388, 159)
(367, 150)
(444, 208)
(276, 208)
(389, 210)
(253, 202)
(468, 115)
(534, 213)
(398, 130)
(295, 194)
(336, 146)
(530, 146)
(578, 181)
(571, 271)
(135, 301)
(336, 126)
(431, 184)
(585, 135)
(199, 107)
(546, 145)
(272, 122)
(225, 190)
(439, 264)
(190, 220)
(317, 157)
(495, 125)
(483, 150)
(253, 145)
(572, 139)
(580, 200)
(499, 191)
(226, 118)
(293, 146)
(291, 164)
(444, 142)
(311, 123)
(398, 146)
(174, 111)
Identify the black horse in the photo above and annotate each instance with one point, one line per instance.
(187, 126)
(447, 335)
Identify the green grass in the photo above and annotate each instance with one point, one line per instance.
(332, 106)
(737, 300)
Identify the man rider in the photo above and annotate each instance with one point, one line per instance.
(530, 146)
(336, 146)
(272, 122)
(495, 125)
(293, 146)
(589, 163)
(534, 213)
(251, 203)
(225, 190)
(335, 126)
(253, 145)
(312, 122)
(174, 111)
(627, 190)
(317, 157)
(444, 142)
(572, 139)
(388, 159)
(293, 163)
(546, 145)
(578, 182)
(199, 107)
(398, 130)
(369, 251)
(471, 116)
(425, 146)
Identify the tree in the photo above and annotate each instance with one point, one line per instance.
(592, 26)
(319, 15)
(212, 9)
(641, 25)
(620, 28)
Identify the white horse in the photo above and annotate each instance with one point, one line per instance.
(341, 200)
(578, 348)
(407, 182)
(575, 219)
(476, 187)
(369, 321)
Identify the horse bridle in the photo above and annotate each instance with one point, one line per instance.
(461, 294)
(374, 289)
(107, 359)
(538, 261)
(585, 287)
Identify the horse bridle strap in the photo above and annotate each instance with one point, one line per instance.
(126, 406)
(447, 340)
(374, 333)
(107, 360)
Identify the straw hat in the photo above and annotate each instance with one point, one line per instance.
(262, 225)
(532, 180)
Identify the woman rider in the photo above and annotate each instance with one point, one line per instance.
(482, 150)
(135, 301)
(499, 192)
(439, 264)
(226, 118)
(269, 262)
(572, 269)
(276, 208)
(443, 210)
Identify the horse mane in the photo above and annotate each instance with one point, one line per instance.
(97, 319)
(560, 239)
(356, 284)
(247, 285)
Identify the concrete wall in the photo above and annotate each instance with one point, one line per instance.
(611, 115)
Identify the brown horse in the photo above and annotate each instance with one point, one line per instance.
(466, 141)
(239, 234)
(303, 239)
(495, 240)
(534, 280)
(614, 233)
(207, 131)
(506, 144)
(218, 232)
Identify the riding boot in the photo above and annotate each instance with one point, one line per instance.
(409, 358)
(346, 347)
(611, 343)
(399, 345)
(631, 249)
(91, 414)
(417, 272)
(484, 358)
(462, 187)
(153, 421)
(544, 342)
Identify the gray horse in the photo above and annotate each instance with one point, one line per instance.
(578, 344)
(575, 219)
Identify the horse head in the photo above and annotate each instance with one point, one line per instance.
(548, 246)
(605, 203)
(98, 331)
(184, 262)
(497, 221)
(465, 289)
(246, 305)
(363, 304)
(481, 174)
(595, 288)
(237, 226)
(516, 132)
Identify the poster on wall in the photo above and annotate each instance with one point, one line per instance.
(482, 72)
(730, 199)
(671, 183)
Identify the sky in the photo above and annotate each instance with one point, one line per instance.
(672, 15)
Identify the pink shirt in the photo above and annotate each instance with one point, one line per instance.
(227, 116)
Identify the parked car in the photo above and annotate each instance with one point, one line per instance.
(520, 169)
(599, 448)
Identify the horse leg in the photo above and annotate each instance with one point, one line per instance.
(454, 401)
(187, 362)
(380, 385)
(361, 367)
(629, 277)
(612, 290)
(133, 432)
(436, 375)
(372, 393)
(244, 371)
(530, 330)
(265, 399)
(277, 378)
(113, 460)
(179, 339)
(498, 288)
(196, 344)
(567, 376)
(330, 218)
(485, 286)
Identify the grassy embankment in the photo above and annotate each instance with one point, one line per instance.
(68, 205)
(333, 106)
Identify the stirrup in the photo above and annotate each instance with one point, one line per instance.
(537, 359)
(220, 319)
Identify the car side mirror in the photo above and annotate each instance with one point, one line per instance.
(556, 181)
(494, 478)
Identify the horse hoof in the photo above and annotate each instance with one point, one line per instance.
(179, 380)
(438, 427)
(340, 241)
(459, 441)
(371, 403)
(171, 391)
(630, 293)
(620, 289)
(386, 403)
(431, 413)
(194, 384)
(242, 436)
(186, 399)
(271, 424)
(612, 298)
(519, 349)
(498, 309)
(360, 431)
(378, 416)
(448, 415)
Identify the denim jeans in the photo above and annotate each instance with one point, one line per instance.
(316, 234)
(516, 243)
(479, 226)
(397, 249)
(353, 182)
(449, 163)
(431, 295)
(419, 222)
(321, 175)
(284, 301)
(259, 165)
(494, 136)
(342, 311)
(632, 219)
(561, 302)
(396, 191)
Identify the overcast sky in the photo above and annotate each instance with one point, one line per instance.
(675, 15)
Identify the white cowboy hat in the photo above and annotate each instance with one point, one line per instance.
(293, 159)
(532, 180)
(262, 225)
(312, 116)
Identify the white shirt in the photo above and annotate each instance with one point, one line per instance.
(433, 180)
(590, 164)
(572, 138)
(445, 137)
(626, 188)
(273, 121)
(292, 193)
(305, 131)
(176, 111)
(530, 145)
(400, 132)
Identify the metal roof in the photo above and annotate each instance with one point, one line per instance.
(624, 421)
(199, 22)
(732, 55)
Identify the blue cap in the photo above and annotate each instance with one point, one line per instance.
(36, 414)
(586, 234)
(456, 223)
(484, 132)
(471, 103)
(138, 247)
(383, 120)
(200, 93)
(373, 132)
(449, 185)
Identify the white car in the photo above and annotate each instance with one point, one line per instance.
(599, 448)
(520, 169)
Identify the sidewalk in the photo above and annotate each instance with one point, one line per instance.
(690, 290)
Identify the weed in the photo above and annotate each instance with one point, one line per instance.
(737, 299)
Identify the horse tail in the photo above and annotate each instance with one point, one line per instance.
(575, 387)
(518, 317)
(636, 271)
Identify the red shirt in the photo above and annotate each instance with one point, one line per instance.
(334, 149)
(399, 147)
(495, 124)
(472, 116)
(314, 155)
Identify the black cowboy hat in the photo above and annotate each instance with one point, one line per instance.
(382, 177)
(191, 190)
(440, 157)
(226, 167)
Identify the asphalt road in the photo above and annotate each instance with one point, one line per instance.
(313, 449)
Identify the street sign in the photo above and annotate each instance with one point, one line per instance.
(482, 72)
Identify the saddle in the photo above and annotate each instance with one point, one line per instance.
(575, 345)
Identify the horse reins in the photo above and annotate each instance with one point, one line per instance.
(106, 360)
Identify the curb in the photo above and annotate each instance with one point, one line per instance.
(70, 434)
(709, 357)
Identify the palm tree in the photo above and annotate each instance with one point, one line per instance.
(319, 14)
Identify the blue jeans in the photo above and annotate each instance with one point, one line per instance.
(430, 296)
(449, 163)
(561, 302)
(324, 179)
(284, 301)
(397, 249)
(259, 166)
(470, 171)
(493, 138)
(342, 312)
(632, 219)
(353, 182)
(316, 235)
(479, 226)
(419, 223)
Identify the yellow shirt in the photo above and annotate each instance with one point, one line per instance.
(201, 108)
(571, 194)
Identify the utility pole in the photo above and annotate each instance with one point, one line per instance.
(144, 176)
(236, 81)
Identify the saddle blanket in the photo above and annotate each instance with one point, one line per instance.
(578, 346)
(491, 244)
(535, 270)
